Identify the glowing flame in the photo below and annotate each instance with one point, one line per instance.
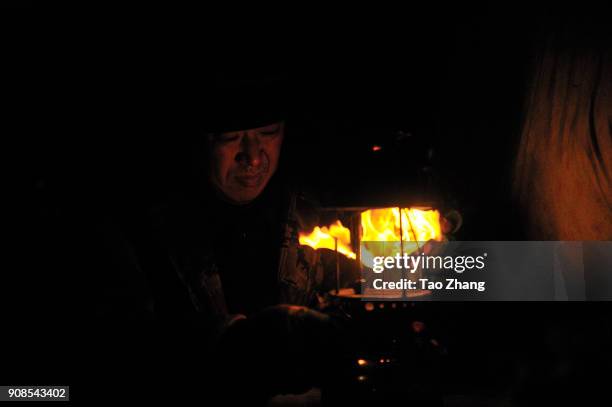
(379, 225)
(389, 224)
(385, 225)
(325, 238)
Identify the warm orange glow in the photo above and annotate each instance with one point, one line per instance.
(410, 225)
(383, 225)
(325, 238)
(379, 225)
(362, 362)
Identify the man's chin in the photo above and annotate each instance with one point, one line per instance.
(243, 190)
(243, 195)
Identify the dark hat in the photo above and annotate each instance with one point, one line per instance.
(243, 104)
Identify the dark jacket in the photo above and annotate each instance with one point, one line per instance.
(187, 264)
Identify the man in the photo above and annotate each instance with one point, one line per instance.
(226, 256)
(244, 161)
(232, 238)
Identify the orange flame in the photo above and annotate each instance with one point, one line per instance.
(379, 225)
(325, 238)
(384, 225)
(389, 224)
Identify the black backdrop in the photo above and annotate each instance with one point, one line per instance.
(119, 108)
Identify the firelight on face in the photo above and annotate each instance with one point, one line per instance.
(242, 162)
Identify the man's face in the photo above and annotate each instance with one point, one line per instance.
(243, 161)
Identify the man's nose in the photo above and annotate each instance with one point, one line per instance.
(250, 153)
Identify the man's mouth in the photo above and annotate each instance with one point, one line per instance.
(249, 181)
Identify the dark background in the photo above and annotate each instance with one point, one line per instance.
(440, 93)
(102, 107)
